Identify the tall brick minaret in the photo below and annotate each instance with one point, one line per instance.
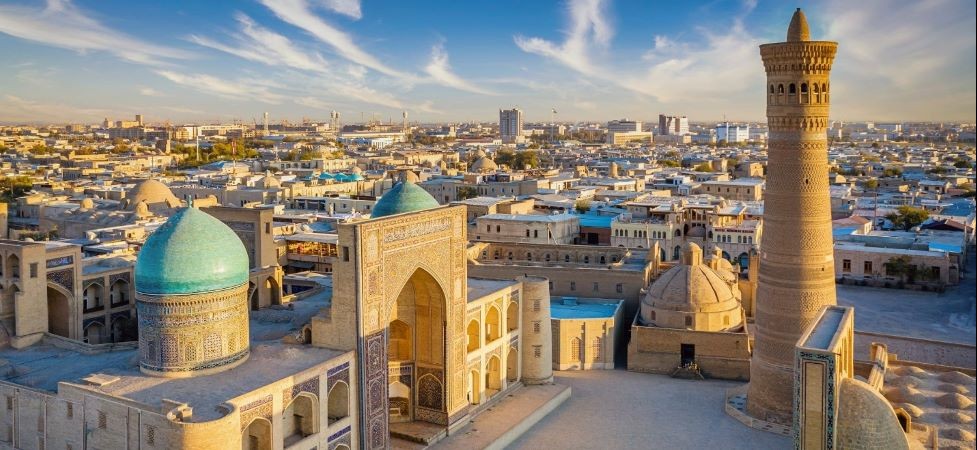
(796, 258)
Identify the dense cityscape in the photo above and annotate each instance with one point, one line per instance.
(349, 281)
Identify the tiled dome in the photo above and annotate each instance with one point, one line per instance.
(192, 252)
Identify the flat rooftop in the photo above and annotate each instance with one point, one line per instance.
(480, 287)
(825, 328)
(563, 308)
(42, 366)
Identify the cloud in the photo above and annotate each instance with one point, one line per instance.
(150, 92)
(588, 25)
(238, 89)
(299, 13)
(672, 71)
(14, 109)
(440, 71)
(902, 59)
(349, 8)
(61, 24)
(259, 44)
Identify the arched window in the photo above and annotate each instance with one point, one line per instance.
(780, 89)
(566, 258)
(817, 93)
(493, 324)
(575, 349)
(299, 419)
(338, 402)
(473, 336)
(399, 345)
(804, 94)
(547, 257)
(792, 89)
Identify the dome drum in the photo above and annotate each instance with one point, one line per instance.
(191, 297)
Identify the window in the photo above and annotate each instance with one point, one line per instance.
(575, 349)
(596, 287)
(536, 305)
(488, 228)
(33, 270)
(527, 233)
(846, 265)
(688, 321)
(537, 351)
(596, 348)
(345, 253)
(573, 285)
(619, 288)
(536, 326)
(868, 267)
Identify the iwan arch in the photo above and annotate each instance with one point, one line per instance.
(428, 348)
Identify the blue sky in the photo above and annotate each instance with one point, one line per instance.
(456, 61)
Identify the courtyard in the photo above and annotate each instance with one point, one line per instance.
(947, 316)
(620, 409)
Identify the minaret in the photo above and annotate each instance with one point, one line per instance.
(796, 258)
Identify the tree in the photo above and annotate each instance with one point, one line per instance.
(466, 192)
(892, 172)
(582, 206)
(961, 164)
(505, 157)
(908, 217)
(704, 167)
(669, 162)
(527, 158)
(13, 187)
(872, 184)
(899, 266)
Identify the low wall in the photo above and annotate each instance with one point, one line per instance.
(918, 350)
(87, 349)
(719, 355)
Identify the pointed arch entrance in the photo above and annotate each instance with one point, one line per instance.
(416, 350)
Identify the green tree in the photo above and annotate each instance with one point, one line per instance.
(669, 162)
(505, 157)
(872, 184)
(908, 217)
(961, 164)
(898, 266)
(582, 206)
(466, 192)
(528, 158)
(16, 186)
(704, 167)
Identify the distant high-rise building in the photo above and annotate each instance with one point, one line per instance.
(673, 125)
(139, 120)
(510, 125)
(732, 133)
(797, 257)
(624, 126)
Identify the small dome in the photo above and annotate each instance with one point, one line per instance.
(403, 198)
(484, 164)
(356, 169)
(152, 192)
(692, 290)
(192, 252)
(87, 203)
(866, 420)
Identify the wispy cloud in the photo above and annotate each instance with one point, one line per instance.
(673, 70)
(61, 24)
(259, 44)
(16, 109)
(150, 92)
(300, 14)
(439, 69)
(588, 25)
(349, 8)
(234, 89)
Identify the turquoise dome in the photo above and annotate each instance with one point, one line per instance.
(403, 198)
(192, 252)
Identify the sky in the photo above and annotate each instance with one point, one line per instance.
(454, 61)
